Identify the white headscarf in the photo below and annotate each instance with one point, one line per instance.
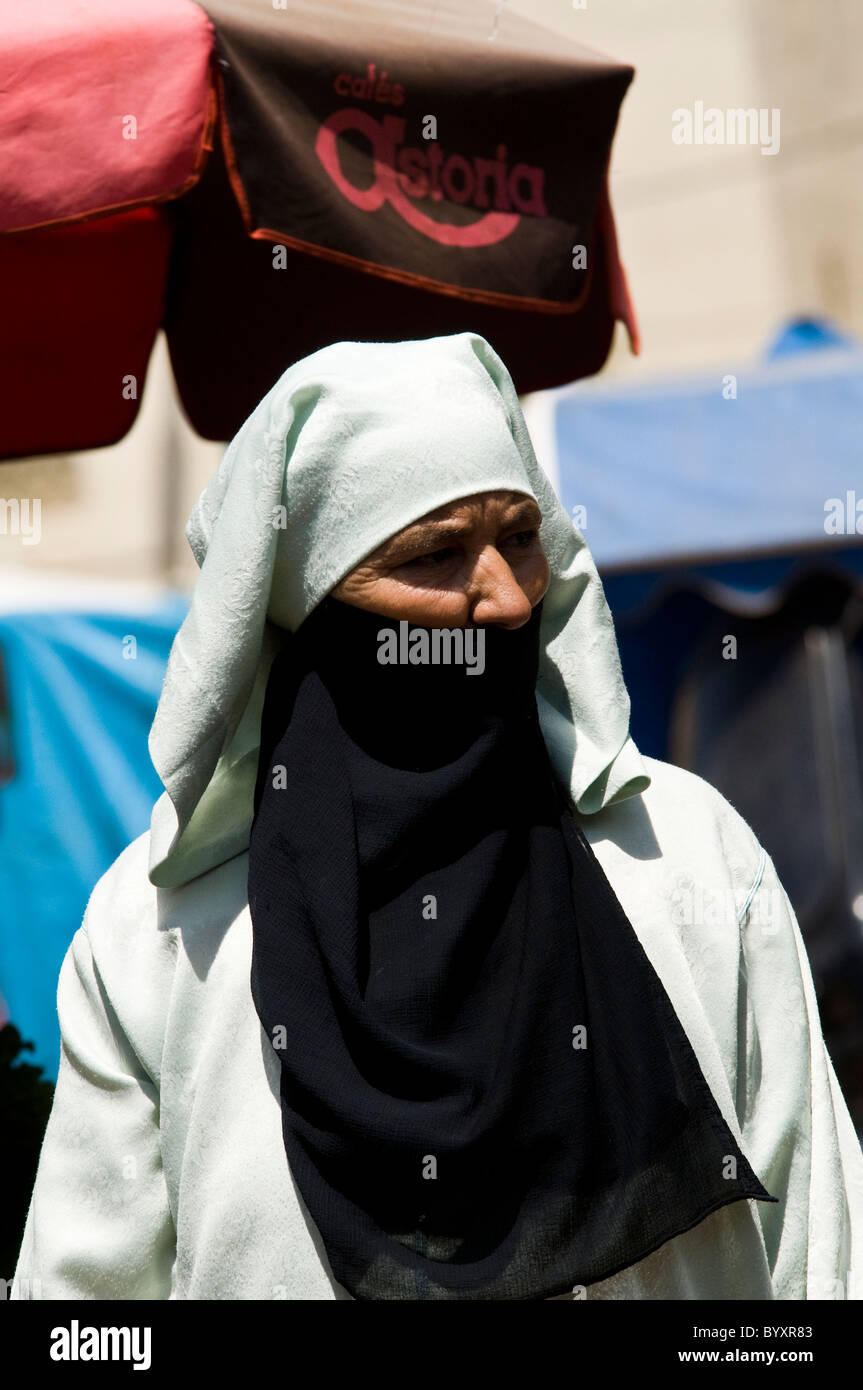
(351, 445)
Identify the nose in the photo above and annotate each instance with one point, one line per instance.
(497, 598)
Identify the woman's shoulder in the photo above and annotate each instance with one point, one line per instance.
(136, 935)
(129, 919)
(684, 821)
(678, 793)
(126, 889)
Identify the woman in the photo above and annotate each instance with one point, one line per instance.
(400, 996)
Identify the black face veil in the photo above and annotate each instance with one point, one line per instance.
(485, 1090)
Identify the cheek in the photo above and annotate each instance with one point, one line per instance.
(357, 587)
(427, 605)
(532, 573)
(424, 606)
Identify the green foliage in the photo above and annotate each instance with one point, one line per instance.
(25, 1104)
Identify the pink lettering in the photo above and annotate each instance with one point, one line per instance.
(457, 163)
(413, 165)
(402, 173)
(533, 203)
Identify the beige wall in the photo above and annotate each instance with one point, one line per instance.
(720, 243)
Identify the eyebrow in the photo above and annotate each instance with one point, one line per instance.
(431, 533)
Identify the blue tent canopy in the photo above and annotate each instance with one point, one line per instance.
(77, 784)
(766, 459)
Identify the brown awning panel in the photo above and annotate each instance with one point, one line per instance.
(325, 116)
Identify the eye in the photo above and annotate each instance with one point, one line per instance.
(434, 557)
(523, 539)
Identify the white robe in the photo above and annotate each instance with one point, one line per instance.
(163, 1171)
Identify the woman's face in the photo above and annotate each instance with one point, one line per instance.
(477, 561)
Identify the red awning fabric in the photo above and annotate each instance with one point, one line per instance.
(107, 104)
(82, 306)
(108, 112)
